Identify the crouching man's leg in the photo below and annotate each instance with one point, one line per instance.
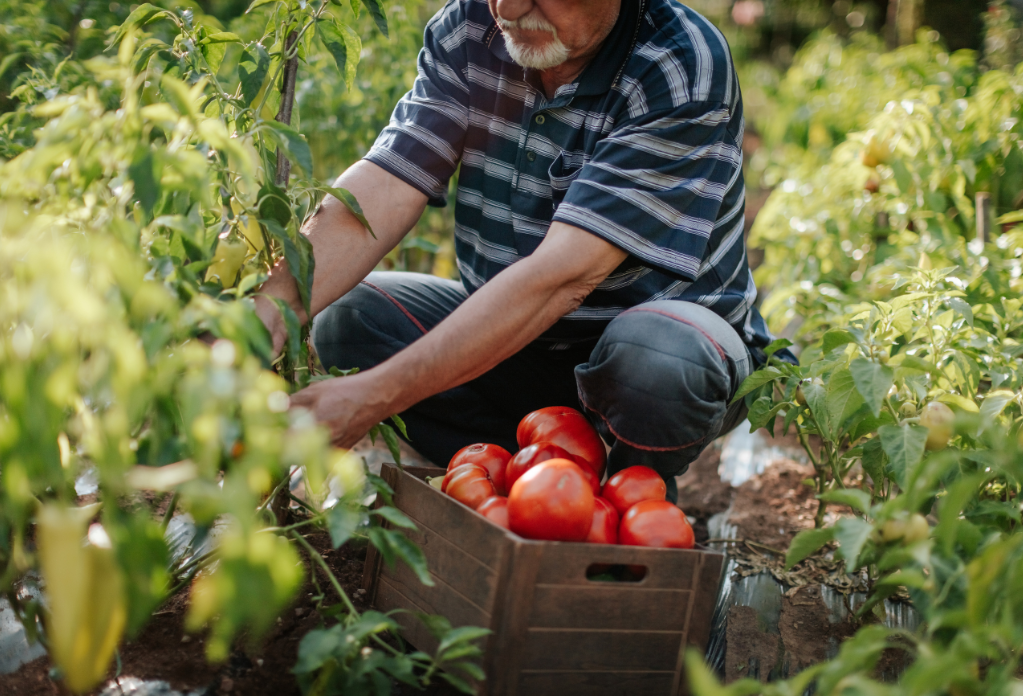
(659, 383)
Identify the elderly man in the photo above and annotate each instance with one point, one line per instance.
(598, 230)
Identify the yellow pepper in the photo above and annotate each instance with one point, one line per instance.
(250, 230)
(85, 594)
(228, 259)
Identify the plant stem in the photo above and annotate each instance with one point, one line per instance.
(170, 511)
(320, 561)
(287, 105)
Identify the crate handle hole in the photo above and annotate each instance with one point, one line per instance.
(608, 572)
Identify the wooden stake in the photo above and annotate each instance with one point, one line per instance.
(984, 221)
(287, 104)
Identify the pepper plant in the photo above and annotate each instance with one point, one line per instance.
(133, 241)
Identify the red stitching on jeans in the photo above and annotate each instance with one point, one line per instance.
(638, 446)
(714, 343)
(398, 305)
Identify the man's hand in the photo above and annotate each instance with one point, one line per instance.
(349, 406)
(513, 309)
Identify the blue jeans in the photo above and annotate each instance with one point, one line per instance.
(656, 381)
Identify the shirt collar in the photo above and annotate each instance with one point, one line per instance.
(606, 68)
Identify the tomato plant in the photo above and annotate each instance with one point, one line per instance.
(551, 501)
(566, 428)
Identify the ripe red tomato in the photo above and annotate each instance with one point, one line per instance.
(531, 455)
(632, 485)
(551, 501)
(657, 523)
(566, 428)
(495, 509)
(604, 528)
(469, 484)
(493, 458)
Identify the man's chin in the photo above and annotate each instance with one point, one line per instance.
(550, 55)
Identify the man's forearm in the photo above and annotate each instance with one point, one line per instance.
(497, 321)
(343, 249)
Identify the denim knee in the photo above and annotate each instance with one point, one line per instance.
(661, 377)
(359, 330)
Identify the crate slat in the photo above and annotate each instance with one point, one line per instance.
(559, 650)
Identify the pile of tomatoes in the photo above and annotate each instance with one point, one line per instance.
(550, 489)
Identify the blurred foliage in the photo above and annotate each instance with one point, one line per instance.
(134, 235)
(893, 257)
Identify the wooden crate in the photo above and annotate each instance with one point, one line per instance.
(554, 631)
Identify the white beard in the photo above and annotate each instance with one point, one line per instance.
(549, 55)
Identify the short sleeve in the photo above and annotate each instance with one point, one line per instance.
(656, 184)
(422, 144)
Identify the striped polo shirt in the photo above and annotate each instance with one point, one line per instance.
(644, 150)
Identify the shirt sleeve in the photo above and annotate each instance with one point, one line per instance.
(655, 187)
(422, 144)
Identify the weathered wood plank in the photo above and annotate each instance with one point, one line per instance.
(511, 618)
(566, 564)
(432, 600)
(470, 532)
(559, 649)
(591, 683)
(459, 570)
(559, 606)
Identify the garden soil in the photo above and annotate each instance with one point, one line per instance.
(768, 509)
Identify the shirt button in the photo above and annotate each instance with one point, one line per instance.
(539, 120)
(530, 155)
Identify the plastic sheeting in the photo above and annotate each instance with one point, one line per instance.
(743, 456)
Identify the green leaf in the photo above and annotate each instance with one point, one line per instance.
(961, 308)
(342, 521)
(873, 460)
(463, 634)
(992, 407)
(140, 16)
(817, 401)
(293, 143)
(393, 544)
(343, 44)
(376, 10)
(776, 345)
(346, 197)
(806, 543)
(904, 445)
(853, 497)
(291, 323)
(147, 187)
(872, 381)
(318, 647)
(274, 205)
(457, 682)
(852, 533)
(756, 380)
(394, 516)
(843, 397)
(382, 488)
(400, 424)
(835, 338)
(391, 440)
(960, 402)
(252, 69)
